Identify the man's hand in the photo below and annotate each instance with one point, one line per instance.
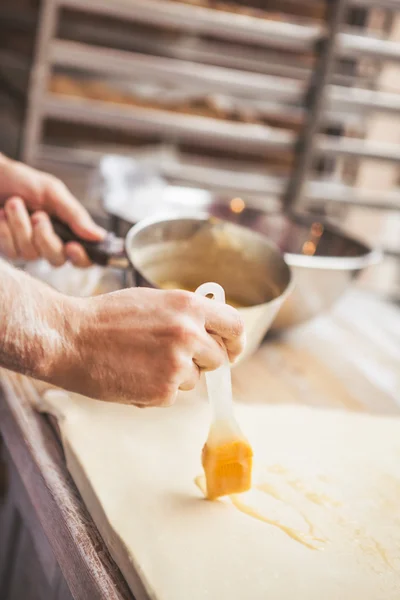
(140, 346)
(136, 346)
(31, 236)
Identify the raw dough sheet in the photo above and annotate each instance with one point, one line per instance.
(333, 477)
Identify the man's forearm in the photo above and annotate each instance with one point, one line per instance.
(34, 325)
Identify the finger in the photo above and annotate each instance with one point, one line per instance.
(225, 322)
(209, 353)
(167, 402)
(77, 255)
(60, 202)
(46, 241)
(7, 247)
(21, 228)
(190, 377)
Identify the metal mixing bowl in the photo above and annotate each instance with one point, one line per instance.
(323, 259)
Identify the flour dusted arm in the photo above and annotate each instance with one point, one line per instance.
(34, 323)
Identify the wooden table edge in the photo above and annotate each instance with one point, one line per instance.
(36, 452)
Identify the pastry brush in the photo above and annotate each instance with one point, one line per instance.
(227, 456)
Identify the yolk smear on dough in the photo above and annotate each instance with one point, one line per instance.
(382, 553)
(298, 536)
(371, 547)
(267, 488)
(242, 502)
(315, 497)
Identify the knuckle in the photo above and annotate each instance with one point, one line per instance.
(52, 180)
(178, 330)
(37, 193)
(55, 185)
(175, 365)
(183, 333)
(237, 327)
(39, 199)
(184, 300)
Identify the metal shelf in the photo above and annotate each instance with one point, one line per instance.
(306, 144)
(360, 99)
(189, 128)
(107, 61)
(253, 59)
(212, 79)
(169, 70)
(220, 180)
(219, 177)
(119, 63)
(201, 20)
(342, 118)
(356, 46)
(338, 193)
(224, 178)
(357, 148)
(277, 67)
(382, 4)
(190, 48)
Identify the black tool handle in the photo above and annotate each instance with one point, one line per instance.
(101, 253)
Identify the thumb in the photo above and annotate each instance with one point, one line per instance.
(60, 202)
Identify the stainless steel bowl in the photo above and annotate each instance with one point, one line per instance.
(323, 260)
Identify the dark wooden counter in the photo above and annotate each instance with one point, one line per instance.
(49, 546)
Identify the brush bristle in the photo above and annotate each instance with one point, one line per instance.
(227, 468)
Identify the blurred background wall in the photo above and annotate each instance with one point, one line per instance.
(284, 104)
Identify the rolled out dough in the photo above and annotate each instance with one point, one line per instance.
(328, 475)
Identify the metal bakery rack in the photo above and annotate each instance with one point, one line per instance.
(265, 99)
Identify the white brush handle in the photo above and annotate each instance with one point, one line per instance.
(219, 388)
(219, 383)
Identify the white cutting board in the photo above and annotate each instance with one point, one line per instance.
(336, 472)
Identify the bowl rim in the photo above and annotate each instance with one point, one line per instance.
(338, 263)
(367, 257)
(206, 217)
